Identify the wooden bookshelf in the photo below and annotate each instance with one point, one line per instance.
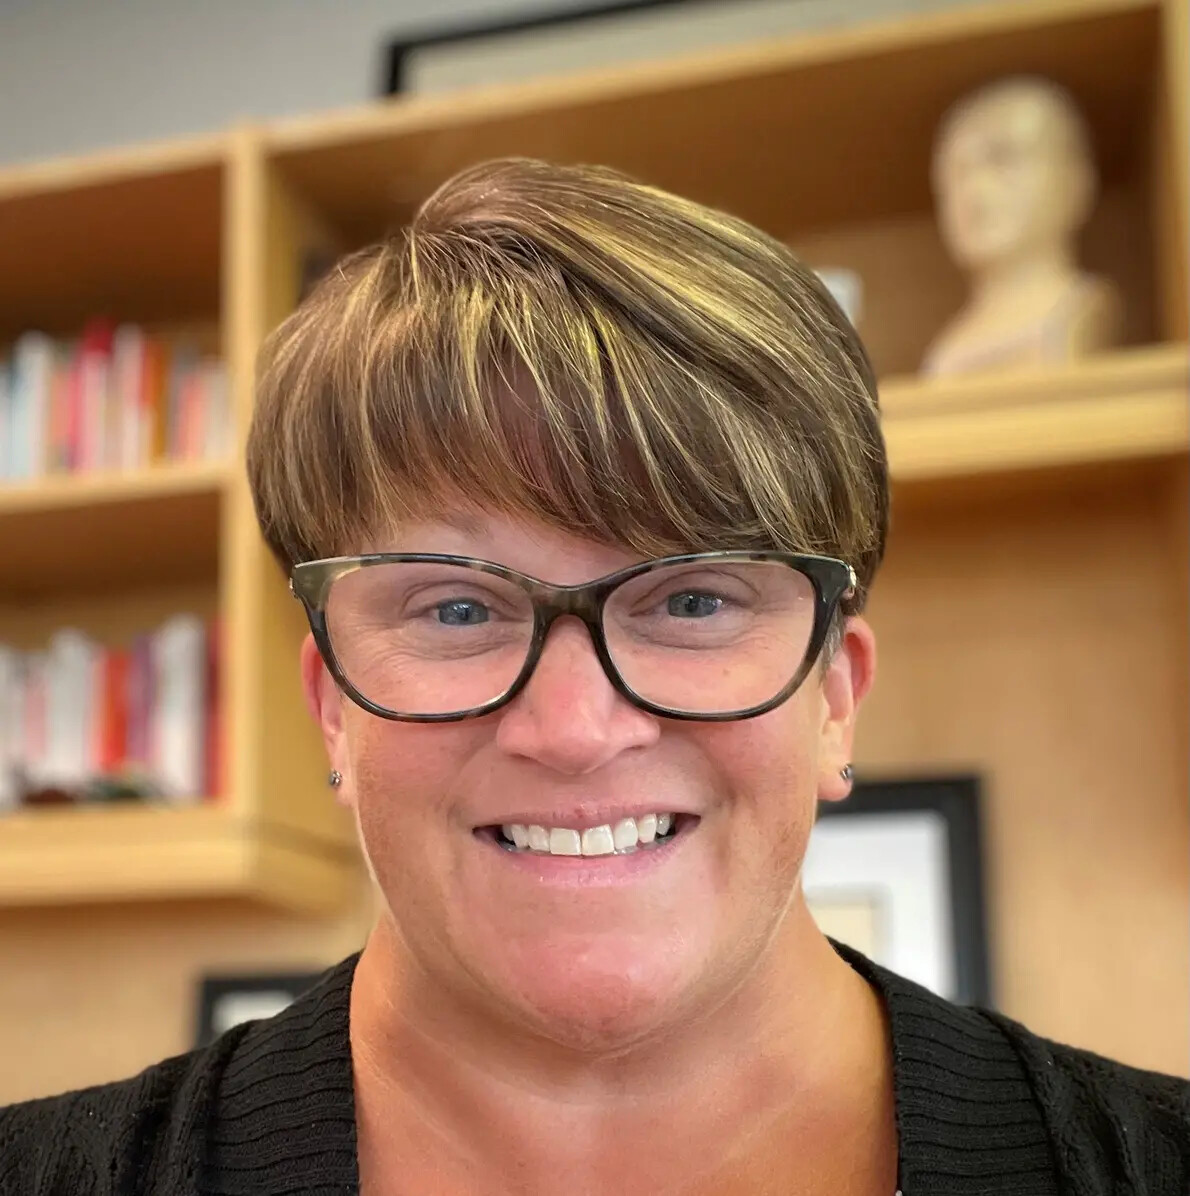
(156, 236)
(1039, 521)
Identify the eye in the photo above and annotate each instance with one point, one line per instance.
(461, 612)
(694, 604)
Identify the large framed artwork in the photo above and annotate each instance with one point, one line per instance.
(603, 33)
(896, 871)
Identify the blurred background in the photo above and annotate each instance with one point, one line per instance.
(174, 176)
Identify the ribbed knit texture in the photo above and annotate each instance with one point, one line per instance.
(984, 1108)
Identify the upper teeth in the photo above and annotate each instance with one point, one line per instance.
(595, 840)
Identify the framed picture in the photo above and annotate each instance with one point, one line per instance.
(896, 871)
(596, 35)
(227, 1001)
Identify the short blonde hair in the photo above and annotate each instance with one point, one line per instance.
(565, 343)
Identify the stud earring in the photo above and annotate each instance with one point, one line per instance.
(847, 772)
(335, 779)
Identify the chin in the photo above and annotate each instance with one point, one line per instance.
(990, 247)
(598, 997)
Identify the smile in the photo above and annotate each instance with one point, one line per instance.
(626, 836)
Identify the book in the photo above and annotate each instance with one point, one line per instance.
(32, 378)
(115, 398)
(83, 721)
(12, 727)
(179, 711)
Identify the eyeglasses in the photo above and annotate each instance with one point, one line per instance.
(713, 636)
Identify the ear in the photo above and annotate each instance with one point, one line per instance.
(325, 703)
(845, 683)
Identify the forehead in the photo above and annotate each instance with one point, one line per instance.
(1023, 118)
(519, 541)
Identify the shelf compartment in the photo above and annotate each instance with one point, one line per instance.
(774, 161)
(93, 531)
(87, 854)
(133, 234)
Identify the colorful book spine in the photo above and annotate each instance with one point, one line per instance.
(83, 721)
(116, 398)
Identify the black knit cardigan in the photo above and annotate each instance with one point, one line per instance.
(983, 1107)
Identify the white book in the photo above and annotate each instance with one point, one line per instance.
(128, 380)
(34, 701)
(179, 707)
(70, 709)
(12, 726)
(32, 380)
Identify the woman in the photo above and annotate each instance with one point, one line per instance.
(583, 488)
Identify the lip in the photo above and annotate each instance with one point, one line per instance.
(582, 872)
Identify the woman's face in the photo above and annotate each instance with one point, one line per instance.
(600, 952)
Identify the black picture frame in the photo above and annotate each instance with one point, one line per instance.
(399, 50)
(267, 993)
(958, 801)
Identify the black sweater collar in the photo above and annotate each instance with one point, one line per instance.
(967, 1118)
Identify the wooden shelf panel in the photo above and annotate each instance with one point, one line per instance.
(134, 235)
(744, 129)
(1118, 407)
(94, 531)
(87, 854)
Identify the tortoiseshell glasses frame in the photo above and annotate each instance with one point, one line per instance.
(311, 583)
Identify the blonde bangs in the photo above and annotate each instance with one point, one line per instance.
(564, 344)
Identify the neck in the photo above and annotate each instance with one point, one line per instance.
(797, 1055)
(1031, 269)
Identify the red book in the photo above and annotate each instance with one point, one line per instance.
(72, 421)
(139, 701)
(113, 708)
(95, 356)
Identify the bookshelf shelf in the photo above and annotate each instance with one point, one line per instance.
(79, 490)
(93, 531)
(54, 856)
(1117, 407)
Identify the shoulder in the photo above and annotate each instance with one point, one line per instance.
(107, 1137)
(224, 1116)
(1106, 1118)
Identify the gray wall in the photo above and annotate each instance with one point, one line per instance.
(77, 75)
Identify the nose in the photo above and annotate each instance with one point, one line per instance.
(569, 717)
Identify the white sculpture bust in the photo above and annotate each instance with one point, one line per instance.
(1014, 182)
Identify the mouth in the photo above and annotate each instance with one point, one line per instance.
(627, 836)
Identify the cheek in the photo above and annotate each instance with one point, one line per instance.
(768, 767)
(775, 753)
(403, 776)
